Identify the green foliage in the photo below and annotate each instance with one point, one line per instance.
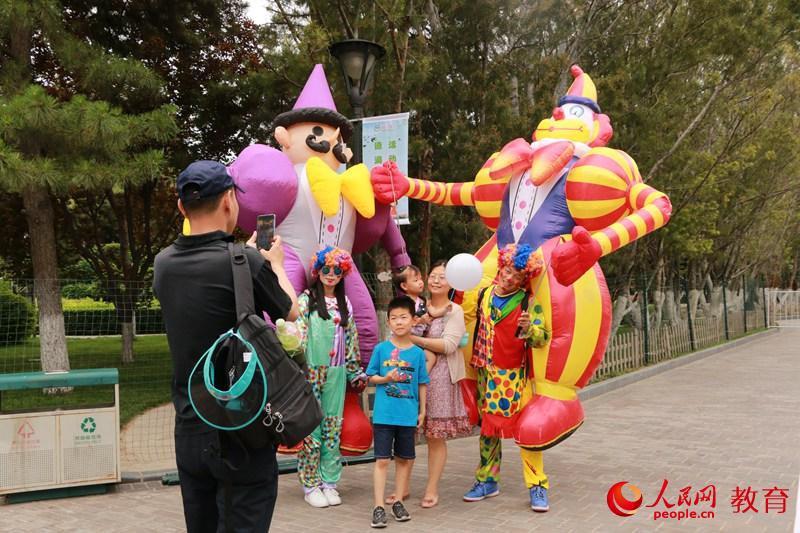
(78, 142)
(702, 94)
(78, 291)
(206, 56)
(83, 304)
(19, 316)
(88, 319)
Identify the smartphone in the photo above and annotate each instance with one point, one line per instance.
(265, 231)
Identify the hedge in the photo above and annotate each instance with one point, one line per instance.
(17, 316)
(91, 322)
(84, 304)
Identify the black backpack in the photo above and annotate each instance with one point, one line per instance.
(287, 411)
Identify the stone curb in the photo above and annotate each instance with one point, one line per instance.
(149, 475)
(592, 391)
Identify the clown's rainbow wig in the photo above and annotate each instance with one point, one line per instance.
(331, 257)
(521, 257)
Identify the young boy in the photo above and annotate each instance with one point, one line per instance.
(397, 368)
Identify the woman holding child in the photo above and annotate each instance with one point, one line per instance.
(446, 416)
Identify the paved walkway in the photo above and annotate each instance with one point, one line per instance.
(729, 420)
(147, 442)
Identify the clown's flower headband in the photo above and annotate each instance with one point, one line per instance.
(521, 257)
(334, 258)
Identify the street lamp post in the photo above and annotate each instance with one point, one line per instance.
(357, 59)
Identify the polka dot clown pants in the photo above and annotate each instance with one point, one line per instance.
(501, 396)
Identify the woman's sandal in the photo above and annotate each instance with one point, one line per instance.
(429, 501)
(390, 499)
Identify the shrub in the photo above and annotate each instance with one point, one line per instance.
(79, 289)
(88, 321)
(17, 316)
(84, 304)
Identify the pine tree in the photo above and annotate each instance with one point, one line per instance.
(58, 132)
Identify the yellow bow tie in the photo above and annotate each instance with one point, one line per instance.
(354, 184)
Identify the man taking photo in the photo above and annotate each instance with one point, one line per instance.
(193, 280)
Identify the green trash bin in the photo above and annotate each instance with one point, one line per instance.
(60, 447)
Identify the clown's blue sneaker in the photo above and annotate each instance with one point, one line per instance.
(539, 499)
(481, 490)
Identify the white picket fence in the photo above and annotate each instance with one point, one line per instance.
(626, 350)
(783, 307)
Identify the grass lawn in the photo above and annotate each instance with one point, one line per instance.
(144, 383)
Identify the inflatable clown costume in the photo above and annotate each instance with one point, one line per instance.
(572, 200)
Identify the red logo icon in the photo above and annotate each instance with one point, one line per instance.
(619, 504)
(25, 430)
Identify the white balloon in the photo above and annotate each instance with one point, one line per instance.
(463, 272)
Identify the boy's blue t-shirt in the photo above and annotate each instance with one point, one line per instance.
(397, 402)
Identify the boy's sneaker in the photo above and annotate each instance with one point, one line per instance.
(315, 498)
(399, 512)
(332, 495)
(539, 499)
(378, 517)
(482, 490)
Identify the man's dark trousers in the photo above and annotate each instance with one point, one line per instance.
(203, 471)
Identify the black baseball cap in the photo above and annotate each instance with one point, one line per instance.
(204, 179)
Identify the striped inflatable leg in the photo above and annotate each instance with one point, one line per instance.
(579, 317)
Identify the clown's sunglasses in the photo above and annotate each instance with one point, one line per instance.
(327, 270)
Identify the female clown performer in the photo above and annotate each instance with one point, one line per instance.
(330, 341)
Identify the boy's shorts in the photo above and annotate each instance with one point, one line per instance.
(401, 436)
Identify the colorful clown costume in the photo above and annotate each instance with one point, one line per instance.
(333, 360)
(574, 201)
(502, 360)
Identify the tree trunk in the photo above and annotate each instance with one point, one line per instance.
(670, 308)
(125, 291)
(694, 301)
(623, 304)
(637, 319)
(384, 291)
(792, 281)
(658, 302)
(124, 302)
(514, 96)
(127, 342)
(716, 302)
(705, 303)
(658, 296)
(619, 310)
(734, 299)
(52, 338)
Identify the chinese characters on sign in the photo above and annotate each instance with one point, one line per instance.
(385, 138)
(707, 496)
(687, 503)
(744, 500)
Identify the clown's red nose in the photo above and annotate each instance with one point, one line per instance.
(558, 113)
